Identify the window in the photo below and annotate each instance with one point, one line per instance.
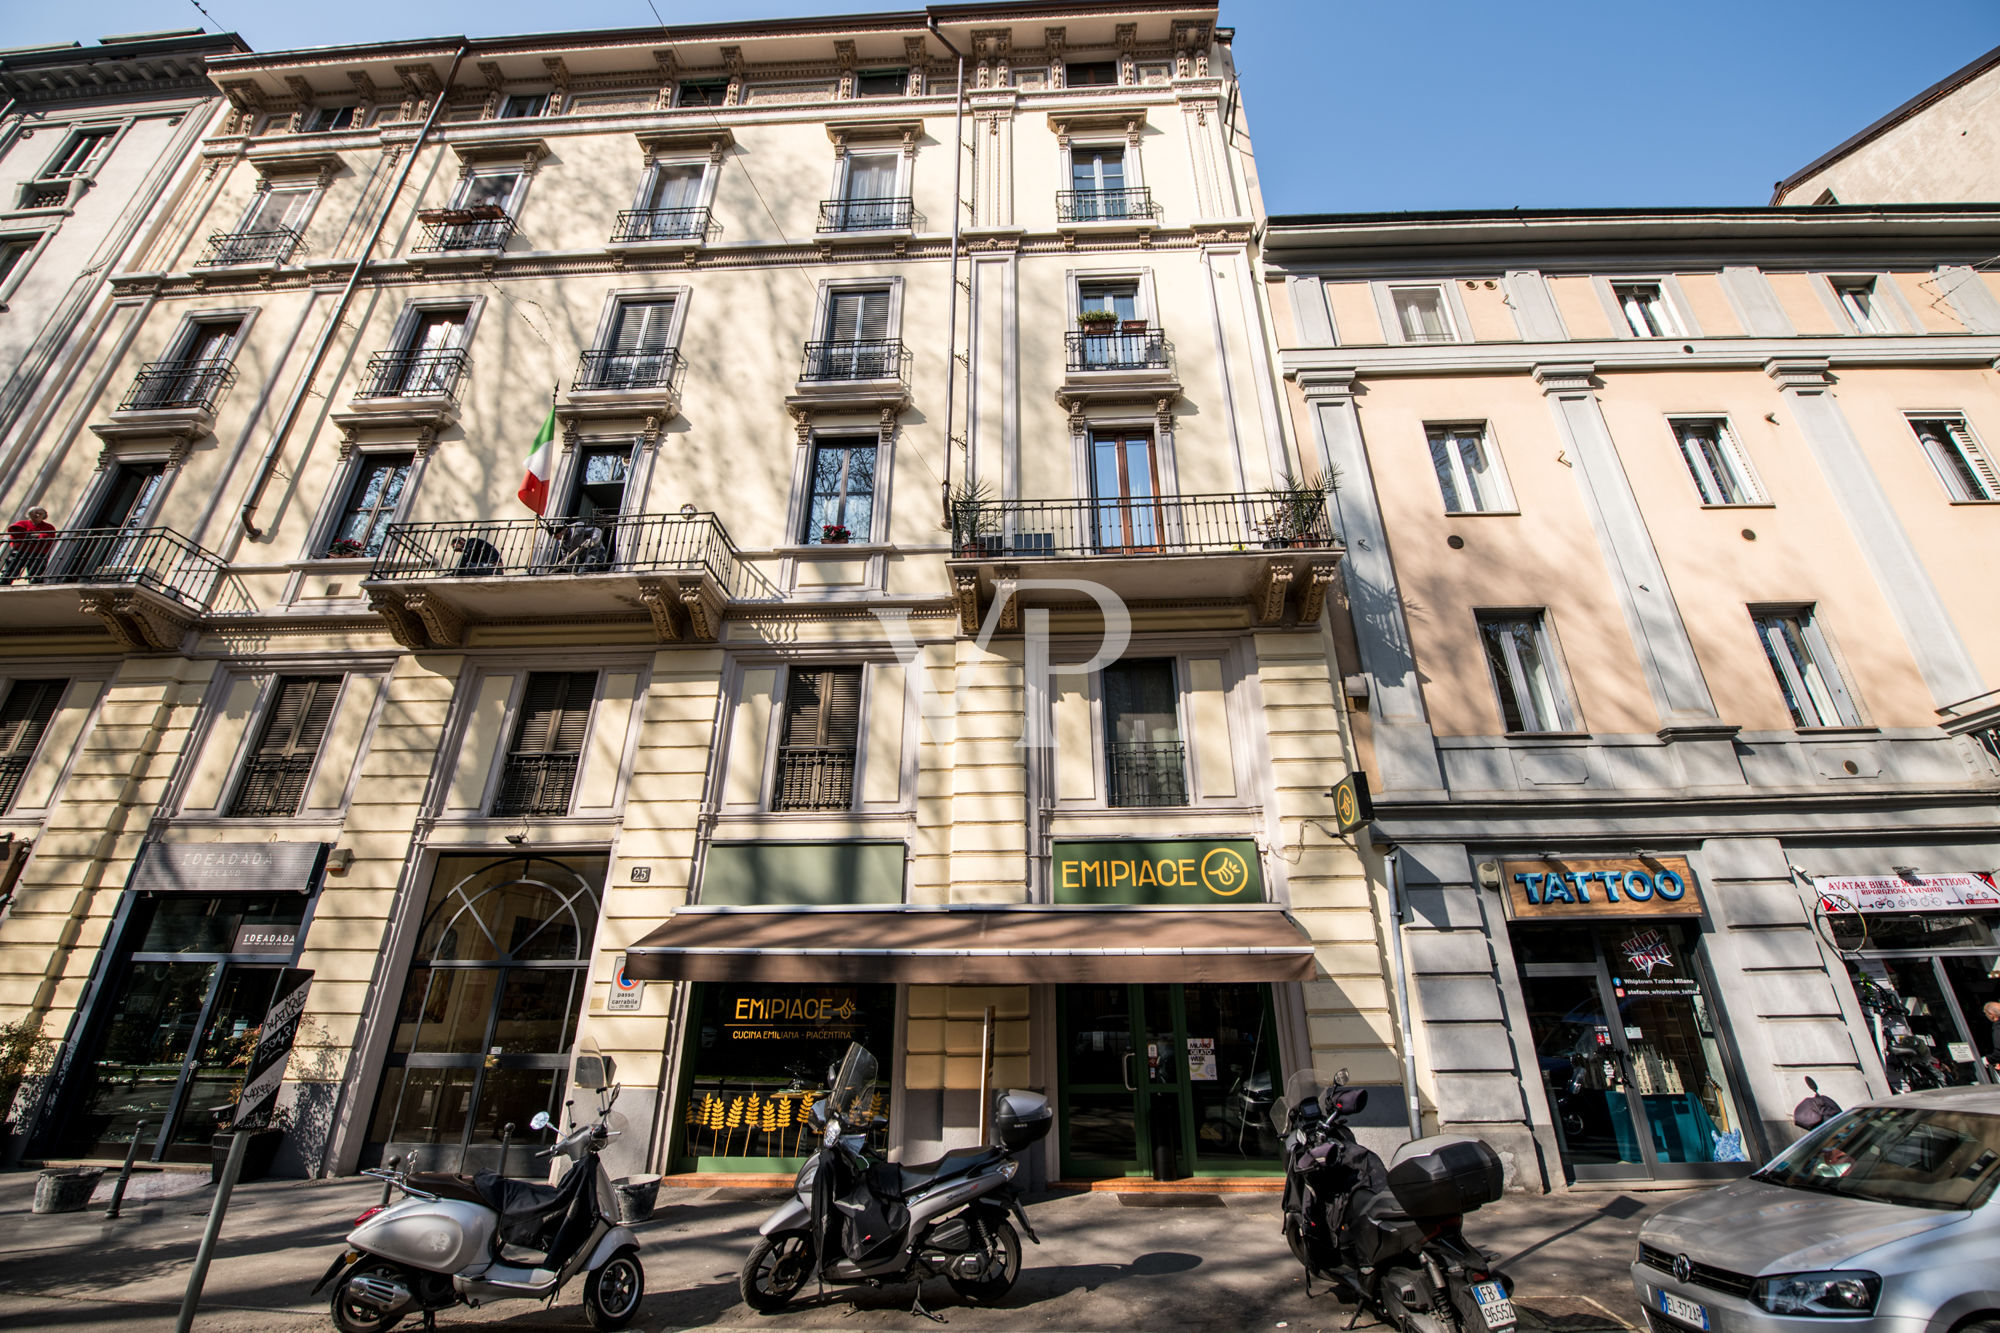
(371, 505)
(701, 92)
(488, 189)
(1803, 664)
(881, 82)
(1522, 662)
(1420, 313)
(1858, 301)
(274, 775)
(1125, 483)
(520, 106)
(548, 739)
(842, 507)
(12, 253)
(277, 207)
(1145, 758)
(1962, 463)
(201, 366)
(1090, 73)
(24, 717)
(857, 345)
(426, 362)
(1644, 306)
(82, 153)
(636, 355)
(868, 196)
(1716, 462)
(1112, 332)
(328, 119)
(669, 204)
(1466, 470)
(816, 748)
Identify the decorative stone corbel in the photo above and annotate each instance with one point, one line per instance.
(885, 429)
(663, 604)
(1053, 38)
(441, 621)
(1006, 586)
(300, 89)
(732, 60)
(916, 56)
(559, 76)
(649, 434)
(1127, 36)
(404, 627)
(1267, 603)
(1572, 379)
(427, 441)
(139, 624)
(965, 599)
(1805, 376)
(702, 603)
(348, 439)
(1312, 598)
(569, 434)
(802, 423)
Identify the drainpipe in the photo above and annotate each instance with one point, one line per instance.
(268, 464)
(951, 330)
(1403, 999)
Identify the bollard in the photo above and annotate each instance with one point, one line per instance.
(506, 1142)
(125, 1172)
(389, 1186)
(231, 1169)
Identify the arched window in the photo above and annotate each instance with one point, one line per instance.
(489, 1010)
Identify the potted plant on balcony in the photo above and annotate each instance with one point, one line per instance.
(974, 517)
(1132, 325)
(1298, 512)
(834, 534)
(1097, 321)
(345, 548)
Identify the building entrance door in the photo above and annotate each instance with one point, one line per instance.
(1626, 1040)
(1169, 1080)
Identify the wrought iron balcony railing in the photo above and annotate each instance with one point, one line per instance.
(483, 228)
(432, 374)
(535, 547)
(853, 359)
(866, 214)
(1141, 525)
(1105, 205)
(272, 786)
(661, 224)
(154, 558)
(273, 246)
(626, 370)
(1147, 772)
(162, 385)
(1110, 349)
(536, 784)
(814, 779)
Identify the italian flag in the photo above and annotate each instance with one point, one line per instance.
(534, 491)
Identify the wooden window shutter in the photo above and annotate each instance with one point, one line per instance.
(274, 777)
(25, 716)
(823, 709)
(555, 712)
(858, 316)
(1975, 457)
(642, 326)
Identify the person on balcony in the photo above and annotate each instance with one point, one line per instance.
(29, 541)
(477, 556)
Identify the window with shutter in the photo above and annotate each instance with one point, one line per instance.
(857, 344)
(548, 742)
(1716, 463)
(79, 155)
(637, 356)
(23, 718)
(1962, 463)
(274, 776)
(1815, 693)
(822, 727)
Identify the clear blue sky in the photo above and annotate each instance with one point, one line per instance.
(1380, 106)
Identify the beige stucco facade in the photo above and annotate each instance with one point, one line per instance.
(1942, 146)
(692, 628)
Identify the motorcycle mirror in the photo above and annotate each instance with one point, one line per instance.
(1812, 1083)
(541, 1120)
(1340, 1076)
(818, 1113)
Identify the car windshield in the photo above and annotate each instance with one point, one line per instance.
(1896, 1154)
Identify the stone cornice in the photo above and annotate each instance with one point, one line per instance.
(1807, 375)
(1566, 378)
(1517, 358)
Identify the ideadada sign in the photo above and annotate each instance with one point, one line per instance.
(1600, 886)
(1204, 871)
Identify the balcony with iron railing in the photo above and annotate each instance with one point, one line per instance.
(485, 227)
(885, 214)
(536, 784)
(1260, 547)
(1146, 773)
(814, 778)
(274, 245)
(413, 374)
(1108, 347)
(272, 786)
(636, 226)
(179, 385)
(430, 579)
(609, 371)
(852, 359)
(145, 585)
(1133, 205)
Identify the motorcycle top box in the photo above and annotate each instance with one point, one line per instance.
(1444, 1175)
(1021, 1118)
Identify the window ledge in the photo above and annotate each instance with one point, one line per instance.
(1744, 504)
(1482, 513)
(1546, 735)
(1975, 503)
(1821, 732)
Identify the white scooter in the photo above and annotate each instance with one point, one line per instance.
(453, 1239)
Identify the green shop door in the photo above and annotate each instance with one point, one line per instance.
(1168, 1079)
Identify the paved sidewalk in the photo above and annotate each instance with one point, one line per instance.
(1106, 1262)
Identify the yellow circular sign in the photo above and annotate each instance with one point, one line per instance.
(1344, 806)
(1223, 873)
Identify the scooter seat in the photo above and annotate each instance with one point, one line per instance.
(517, 1198)
(448, 1185)
(957, 1162)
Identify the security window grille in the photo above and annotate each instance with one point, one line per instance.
(329, 119)
(1715, 462)
(701, 92)
(1466, 470)
(274, 776)
(1421, 314)
(1090, 73)
(1645, 310)
(371, 505)
(519, 106)
(1518, 652)
(1145, 758)
(881, 83)
(24, 717)
(79, 155)
(816, 750)
(548, 740)
(1803, 664)
(843, 491)
(1962, 463)
(1857, 298)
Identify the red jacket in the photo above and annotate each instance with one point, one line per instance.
(31, 534)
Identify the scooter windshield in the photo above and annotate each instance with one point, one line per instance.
(851, 1084)
(1302, 1087)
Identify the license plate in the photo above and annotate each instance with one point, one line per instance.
(1494, 1307)
(1679, 1307)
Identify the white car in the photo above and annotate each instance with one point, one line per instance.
(1881, 1219)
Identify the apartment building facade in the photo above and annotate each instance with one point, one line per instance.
(799, 714)
(1672, 647)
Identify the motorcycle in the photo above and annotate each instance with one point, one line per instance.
(857, 1219)
(1389, 1234)
(455, 1238)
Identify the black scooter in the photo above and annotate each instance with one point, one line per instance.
(1390, 1235)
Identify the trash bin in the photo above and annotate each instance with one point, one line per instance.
(636, 1197)
(65, 1189)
